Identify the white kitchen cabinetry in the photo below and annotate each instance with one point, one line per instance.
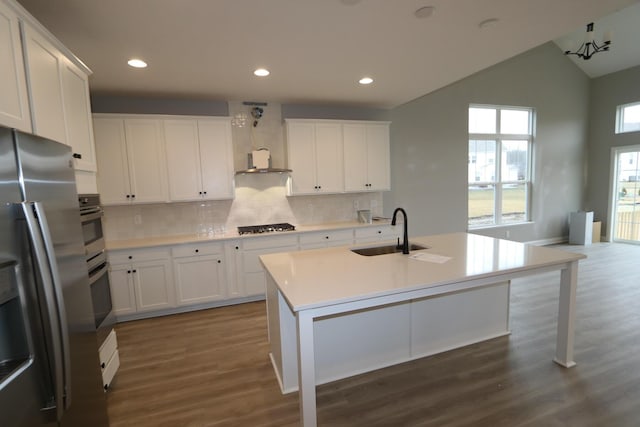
(77, 113)
(376, 234)
(199, 273)
(43, 61)
(14, 105)
(250, 275)
(326, 239)
(366, 156)
(131, 160)
(141, 280)
(199, 158)
(314, 152)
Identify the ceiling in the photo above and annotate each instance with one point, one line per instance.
(316, 50)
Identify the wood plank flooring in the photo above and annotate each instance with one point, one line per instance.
(211, 368)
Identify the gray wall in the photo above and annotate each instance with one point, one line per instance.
(131, 104)
(607, 93)
(430, 140)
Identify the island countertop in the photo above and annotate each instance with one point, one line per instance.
(322, 277)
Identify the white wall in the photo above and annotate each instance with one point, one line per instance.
(430, 138)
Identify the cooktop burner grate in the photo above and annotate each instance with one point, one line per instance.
(265, 228)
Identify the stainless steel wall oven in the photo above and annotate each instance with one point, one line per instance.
(92, 232)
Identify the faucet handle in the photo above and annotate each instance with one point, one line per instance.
(398, 245)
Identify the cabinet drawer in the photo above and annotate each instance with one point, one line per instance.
(110, 370)
(123, 257)
(267, 242)
(194, 249)
(369, 232)
(328, 236)
(108, 348)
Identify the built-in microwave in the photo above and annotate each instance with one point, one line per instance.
(97, 266)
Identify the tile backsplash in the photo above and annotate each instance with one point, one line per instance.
(260, 199)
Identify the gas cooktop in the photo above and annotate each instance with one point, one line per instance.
(265, 228)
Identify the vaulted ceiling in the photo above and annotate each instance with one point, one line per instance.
(316, 50)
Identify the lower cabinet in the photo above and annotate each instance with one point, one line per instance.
(141, 280)
(326, 239)
(249, 272)
(376, 234)
(199, 273)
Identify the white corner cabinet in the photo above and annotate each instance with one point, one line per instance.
(44, 87)
(366, 157)
(337, 156)
(199, 158)
(145, 158)
(314, 153)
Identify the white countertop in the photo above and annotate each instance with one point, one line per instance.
(228, 235)
(321, 277)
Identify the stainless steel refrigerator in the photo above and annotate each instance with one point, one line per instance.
(49, 368)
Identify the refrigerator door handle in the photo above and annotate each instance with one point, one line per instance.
(53, 299)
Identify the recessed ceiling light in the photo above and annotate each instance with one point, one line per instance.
(261, 72)
(365, 81)
(137, 63)
(487, 23)
(424, 12)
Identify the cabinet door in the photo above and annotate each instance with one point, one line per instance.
(355, 157)
(14, 105)
(43, 71)
(216, 158)
(122, 293)
(183, 159)
(111, 152)
(301, 157)
(199, 279)
(147, 161)
(153, 285)
(378, 159)
(77, 112)
(328, 152)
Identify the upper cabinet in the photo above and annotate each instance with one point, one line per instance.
(14, 106)
(314, 154)
(366, 157)
(44, 87)
(199, 158)
(131, 160)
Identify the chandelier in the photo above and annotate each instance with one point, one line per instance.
(589, 47)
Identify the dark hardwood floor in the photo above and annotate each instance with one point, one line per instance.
(211, 368)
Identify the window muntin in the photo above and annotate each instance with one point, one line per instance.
(628, 118)
(499, 175)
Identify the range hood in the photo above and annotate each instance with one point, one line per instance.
(259, 161)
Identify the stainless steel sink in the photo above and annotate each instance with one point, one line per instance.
(384, 250)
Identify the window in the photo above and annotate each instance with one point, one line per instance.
(628, 118)
(499, 175)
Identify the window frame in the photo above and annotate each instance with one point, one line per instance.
(620, 117)
(498, 182)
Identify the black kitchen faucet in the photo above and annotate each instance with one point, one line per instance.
(405, 243)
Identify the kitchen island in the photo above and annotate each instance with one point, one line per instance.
(355, 313)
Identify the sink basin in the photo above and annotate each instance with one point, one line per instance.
(384, 250)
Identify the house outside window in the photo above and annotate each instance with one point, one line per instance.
(628, 118)
(499, 166)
